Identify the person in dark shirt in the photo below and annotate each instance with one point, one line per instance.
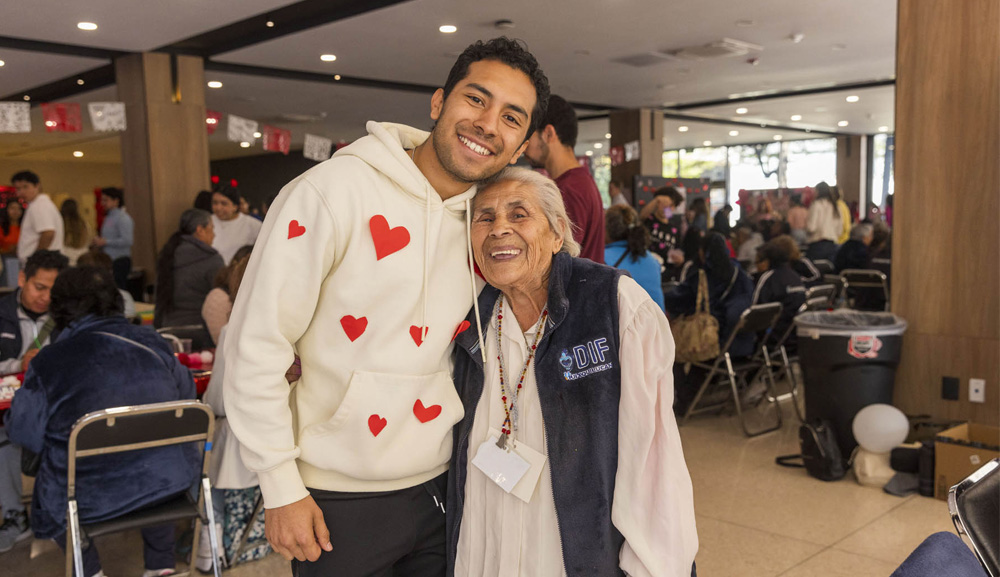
(720, 223)
(665, 223)
(853, 254)
(551, 148)
(779, 283)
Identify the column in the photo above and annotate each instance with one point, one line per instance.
(641, 128)
(852, 169)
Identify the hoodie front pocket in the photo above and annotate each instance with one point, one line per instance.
(387, 427)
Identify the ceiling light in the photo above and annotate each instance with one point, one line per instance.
(269, 24)
(214, 84)
(777, 137)
(734, 133)
(26, 97)
(211, 121)
(608, 136)
(256, 135)
(244, 144)
(682, 129)
(50, 123)
(327, 57)
(336, 77)
(796, 117)
(741, 111)
(589, 153)
(2, 62)
(842, 123)
(78, 153)
(883, 129)
(852, 98)
(79, 81)
(707, 143)
(86, 26)
(448, 29)
(598, 145)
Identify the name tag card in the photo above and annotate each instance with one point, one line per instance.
(505, 468)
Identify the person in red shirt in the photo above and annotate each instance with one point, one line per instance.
(551, 148)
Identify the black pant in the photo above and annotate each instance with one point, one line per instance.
(120, 268)
(387, 534)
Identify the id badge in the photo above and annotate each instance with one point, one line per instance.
(505, 468)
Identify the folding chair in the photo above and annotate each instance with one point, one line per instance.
(868, 279)
(824, 266)
(134, 428)
(827, 291)
(975, 510)
(758, 319)
(838, 285)
(200, 338)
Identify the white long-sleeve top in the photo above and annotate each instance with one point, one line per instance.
(653, 503)
(823, 222)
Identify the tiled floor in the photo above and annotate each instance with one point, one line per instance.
(755, 519)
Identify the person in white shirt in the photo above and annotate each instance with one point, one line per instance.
(233, 229)
(42, 224)
(568, 461)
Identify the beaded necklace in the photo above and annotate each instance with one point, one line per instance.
(509, 425)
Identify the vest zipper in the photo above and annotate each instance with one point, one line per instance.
(545, 437)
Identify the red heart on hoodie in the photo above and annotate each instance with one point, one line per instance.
(295, 229)
(417, 334)
(425, 414)
(462, 327)
(353, 327)
(387, 240)
(376, 424)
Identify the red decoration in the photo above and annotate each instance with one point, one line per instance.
(353, 327)
(277, 139)
(462, 327)
(62, 117)
(233, 183)
(425, 414)
(387, 240)
(417, 334)
(295, 229)
(213, 120)
(376, 424)
(215, 179)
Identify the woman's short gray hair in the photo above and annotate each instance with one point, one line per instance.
(549, 198)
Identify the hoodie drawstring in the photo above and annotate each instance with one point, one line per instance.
(472, 277)
(427, 257)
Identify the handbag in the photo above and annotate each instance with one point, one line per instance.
(696, 336)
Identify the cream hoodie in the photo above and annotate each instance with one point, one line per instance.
(355, 256)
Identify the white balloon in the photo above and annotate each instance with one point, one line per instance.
(880, 428)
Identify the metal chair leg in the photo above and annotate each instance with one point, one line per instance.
(701, 390)
(74, 550)
(769, 383)
(213, 538)
(790, 371)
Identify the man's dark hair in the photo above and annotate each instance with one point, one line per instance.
(45, 260)
(514, 54)
(26, 176)
(670, 191)
(115, 193)
(562, 117)
(82, 291)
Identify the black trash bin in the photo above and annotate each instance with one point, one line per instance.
(848, 361)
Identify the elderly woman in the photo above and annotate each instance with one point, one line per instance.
(568, 460)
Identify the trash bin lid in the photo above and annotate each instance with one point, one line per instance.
(846, 322)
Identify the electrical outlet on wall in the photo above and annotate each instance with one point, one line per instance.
(977, 390)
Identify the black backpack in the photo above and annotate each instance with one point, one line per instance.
(820, 453)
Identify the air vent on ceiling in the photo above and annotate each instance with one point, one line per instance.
(645, 59)
(718, 49)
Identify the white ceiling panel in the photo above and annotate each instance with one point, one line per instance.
(23, 70)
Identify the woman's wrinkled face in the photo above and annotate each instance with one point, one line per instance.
(511, 238)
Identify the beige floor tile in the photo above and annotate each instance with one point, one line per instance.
(727, 550)
(833, 563)
(896, 534)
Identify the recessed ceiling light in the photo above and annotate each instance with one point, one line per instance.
(777, 137)
(734, 133)
(2, 63)
(883, 129)
(598, 145)
(78, 153)
(336, 77)
(269, 24)
(448, 29)
(707, 143)
(852, 98)
(843, 123)
(244, 144)
(86, 26)
(50, 123)
(26, 97)
(608, 136)
(741, 111)
(589, 153)
(214, 84)
(682, 129)
(79, 81)
(211, 121)
(328, 57)
(796, 117)
(256, 135)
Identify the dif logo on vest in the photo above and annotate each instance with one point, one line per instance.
(586, 359)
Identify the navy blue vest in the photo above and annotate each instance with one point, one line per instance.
(579, 387)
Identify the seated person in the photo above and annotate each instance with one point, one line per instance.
(778, 283)
(626, 241)
(219, 303)
(101, 259)
(853, 254)
(804, 267)
(25, 327)
(101, 361)
(690, 246)
(747, 242)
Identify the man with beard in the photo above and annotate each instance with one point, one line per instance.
(551, 148)
(362, 270)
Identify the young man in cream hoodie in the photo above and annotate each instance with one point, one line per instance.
(362, 269)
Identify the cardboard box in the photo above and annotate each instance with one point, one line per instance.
(960, 451)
